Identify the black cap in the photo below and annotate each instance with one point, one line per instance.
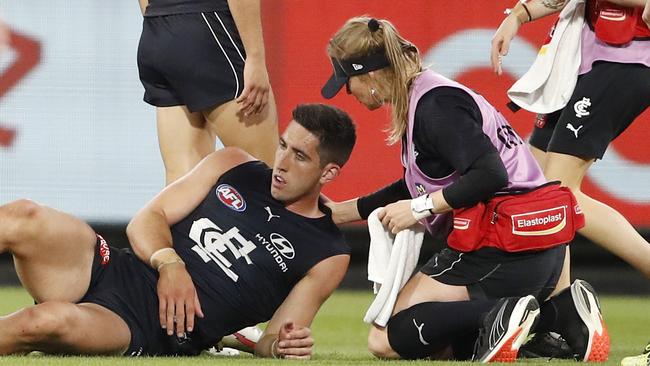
(343, 69)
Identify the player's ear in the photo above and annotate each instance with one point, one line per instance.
(329, 172)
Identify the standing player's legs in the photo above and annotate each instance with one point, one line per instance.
(184, 139)
(603, 225)
(605, 102)
(53, 253)
(257, 134)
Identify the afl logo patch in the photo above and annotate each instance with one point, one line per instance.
(283, 245)
(231, 198)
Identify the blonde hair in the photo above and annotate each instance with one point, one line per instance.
(355, 40)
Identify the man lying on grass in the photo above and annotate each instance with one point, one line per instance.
(232, 244)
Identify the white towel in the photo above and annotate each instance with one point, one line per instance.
(391, 261)
(547, 86)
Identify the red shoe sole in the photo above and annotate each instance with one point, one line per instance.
(506, 353)
(600, 346)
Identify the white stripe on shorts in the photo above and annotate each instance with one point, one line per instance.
(224, 53)
(228, 34)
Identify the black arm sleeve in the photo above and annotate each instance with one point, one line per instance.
(485, 176)
(448, 132)
(393, 192)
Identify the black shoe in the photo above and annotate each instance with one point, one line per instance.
(592, 342)
(505, 328)
(546, 345)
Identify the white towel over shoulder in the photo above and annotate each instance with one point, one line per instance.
(548, 85)
(391, 261)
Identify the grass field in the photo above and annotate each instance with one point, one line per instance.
(340, 335)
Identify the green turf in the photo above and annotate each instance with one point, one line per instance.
(341, 335)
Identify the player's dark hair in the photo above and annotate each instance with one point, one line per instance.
(333, 127)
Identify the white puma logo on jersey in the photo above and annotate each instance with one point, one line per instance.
(570, 127)
(419, 328)
(271, 215)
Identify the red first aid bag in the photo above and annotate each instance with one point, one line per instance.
(614, 24)
(536, 219)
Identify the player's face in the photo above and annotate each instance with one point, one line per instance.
(297, 170)
(361, 90)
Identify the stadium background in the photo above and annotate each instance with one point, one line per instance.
(75, 134)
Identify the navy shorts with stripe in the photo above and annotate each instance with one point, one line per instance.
(604, 103)
(492, 273)
(125, 285)
(194, 59)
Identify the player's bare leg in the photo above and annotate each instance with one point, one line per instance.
(257, 134)
(57, 327)
(53, 253)
(603, 225)
(184, 139)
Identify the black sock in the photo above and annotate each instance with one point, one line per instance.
(559, 315)
(553, 312)
(427, 328)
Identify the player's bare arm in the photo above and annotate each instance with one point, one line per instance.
(520, 13)
(151, 239)
(255, 96)
(143, 5)
(287, 334)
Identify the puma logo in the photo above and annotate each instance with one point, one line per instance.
(570, 127)
(271, 215)
(419, 328)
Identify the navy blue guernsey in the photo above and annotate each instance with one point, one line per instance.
(245, 251)
(169, 7)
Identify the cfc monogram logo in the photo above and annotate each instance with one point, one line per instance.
(212, 242)
(580, 107)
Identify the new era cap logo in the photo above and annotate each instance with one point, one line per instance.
(357, 67)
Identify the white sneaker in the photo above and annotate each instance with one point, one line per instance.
(640, 360)
(223, 352)
(243, 340)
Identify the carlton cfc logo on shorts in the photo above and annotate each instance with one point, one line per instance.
(104, 250)
(539, 223)
(231, 198)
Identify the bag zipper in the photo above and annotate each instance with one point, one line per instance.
(495, 215)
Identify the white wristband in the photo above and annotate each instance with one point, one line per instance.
(421, 207)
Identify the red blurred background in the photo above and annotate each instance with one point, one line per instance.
(296, 34)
